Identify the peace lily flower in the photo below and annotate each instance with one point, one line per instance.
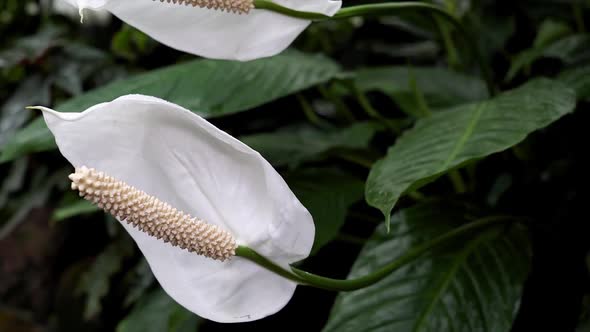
(188, 194)
(221, 29)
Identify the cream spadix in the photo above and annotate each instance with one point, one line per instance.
(233, 6)
(176, 156)
(152, 216)
(219, 29)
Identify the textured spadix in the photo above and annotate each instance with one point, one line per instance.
(152, 216)
(234, 6)
(204, 31)
(171, 153)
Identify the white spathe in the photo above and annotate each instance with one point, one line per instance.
(180, 158)
(212, 33)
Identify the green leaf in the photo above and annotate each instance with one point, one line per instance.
(73, 209)
(441, 87)
(550, 31)
(578, 79)
(327, 194)
(33, 90)
(96, 282)
(472, 284)
(294, 145)
(157, 312)
(453, 137)
(210, 88)
(569, 49)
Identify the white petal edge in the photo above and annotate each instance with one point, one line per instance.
(215, 34)
(175, 155)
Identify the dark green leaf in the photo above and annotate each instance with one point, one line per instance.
(471, 284)
(569, 49)
(450, 138)
(327, 194)
(208, 87)
(95, 283)
(292, 146)
(579, 80)
(157, 312)
(32, 91)
(550, 31)
(441, 87)
(72, 209)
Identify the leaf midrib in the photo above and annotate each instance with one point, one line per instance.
(446, 281)
(463, 139)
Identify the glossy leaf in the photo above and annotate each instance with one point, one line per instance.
(208, 87)
(453, 137)
(292, 146)
(157, 312)
(472, 284)
(440, 87)
(327, 194)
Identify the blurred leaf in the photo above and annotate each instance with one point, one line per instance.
(327, 194)
(139, 279)
(96, 282)
(208, 87)
(553, 41)
(30, 48)
(13, 180)
(451, 138)
(441, 87)
(471, 284)
(294, 145)
(550, 31)
(34, 90)
(130, 43)
(77, 64)
(157, 312)
(72, 209)
(36, 195)
(578, 79)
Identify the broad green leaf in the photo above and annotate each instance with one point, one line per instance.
(440, 87)
(471, 284)
(294, 145)
(453, 137)
(96, 282)
(579, 80)
(157, 312)
(327, 194)
(210, 88)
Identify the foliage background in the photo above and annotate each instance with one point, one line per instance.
(323, 113)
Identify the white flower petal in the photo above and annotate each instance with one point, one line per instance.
(180, 158)
(215, 34)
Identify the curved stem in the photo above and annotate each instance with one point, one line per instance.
(385, 9)
(317, 281)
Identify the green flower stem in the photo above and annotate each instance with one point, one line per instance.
(387, 9)
(310, 279)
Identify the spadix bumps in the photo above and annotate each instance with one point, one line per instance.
(156, 157)
(214, 28)
(152, 216)
(234, 6)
